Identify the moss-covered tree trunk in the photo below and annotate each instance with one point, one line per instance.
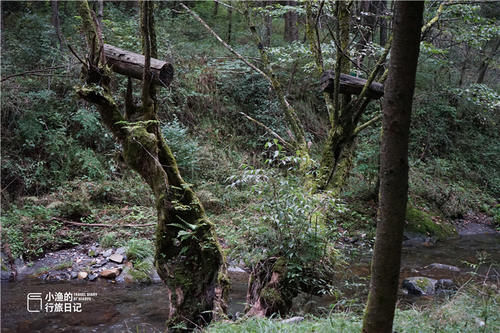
(341, 118)
(269, 292)
(188, 256)
(397, 106)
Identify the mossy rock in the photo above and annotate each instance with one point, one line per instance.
(75, 210)
(421, 222)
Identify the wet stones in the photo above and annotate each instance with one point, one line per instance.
(107, 253)
(443, 267)
(118, 258)
(424, 286)
(110, 273)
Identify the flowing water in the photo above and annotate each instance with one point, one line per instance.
(108, 307)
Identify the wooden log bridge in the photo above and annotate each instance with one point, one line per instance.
(350, 85)
(132, 64)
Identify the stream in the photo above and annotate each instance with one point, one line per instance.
(102, 306)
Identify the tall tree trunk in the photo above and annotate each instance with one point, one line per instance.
(56, 22)
(100, 12)
(291, 33)
(229, 23)
(486, 61)
(367, 9)
(268, 26)
(341, 119)
(188, 256)
(463, 69)
(216, 8)
(394, 167)
(381, 10)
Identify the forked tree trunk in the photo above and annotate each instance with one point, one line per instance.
(397, 106)
(188, 256)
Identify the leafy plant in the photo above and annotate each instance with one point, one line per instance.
(185, 149)
(139, 249)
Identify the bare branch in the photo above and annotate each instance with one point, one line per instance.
(33, 72)
(367, 124)
(270, 131)
(227, 46)
(103, 224)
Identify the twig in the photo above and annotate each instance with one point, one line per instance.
(76, 55)
(270, 131)
(60, 219)
(32, 72)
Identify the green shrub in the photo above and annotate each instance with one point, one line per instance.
(285, 221)
(139, 249)
(30, 232)
(108, 240)
(185, 149)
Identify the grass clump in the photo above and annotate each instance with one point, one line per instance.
(139, 249)
(108, 240)
(141, 271)
(471, 311)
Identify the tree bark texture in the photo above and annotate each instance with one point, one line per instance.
(381, 12)
(268, 289)
(350, 85)
(268, 26)
(132, 64)
(487, 59)
(188, 256)
(367, 26)
(341, 118)
(397, 106)
(56, 22)
(291, 32)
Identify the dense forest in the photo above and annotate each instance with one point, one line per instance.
(251, 166)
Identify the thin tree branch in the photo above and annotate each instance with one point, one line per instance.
(34, 71)
(227, 46)
(60, 219)
(270, 131)
(365, 125)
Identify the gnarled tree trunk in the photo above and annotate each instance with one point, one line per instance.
(269, 291)
(188, 256)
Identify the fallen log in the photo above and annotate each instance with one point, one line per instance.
(350, 85)
(132, 64)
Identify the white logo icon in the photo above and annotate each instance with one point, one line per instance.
(34, 302)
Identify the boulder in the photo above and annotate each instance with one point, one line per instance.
(82, 275)
(424, 286)
(420, 286)
(110, 273)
